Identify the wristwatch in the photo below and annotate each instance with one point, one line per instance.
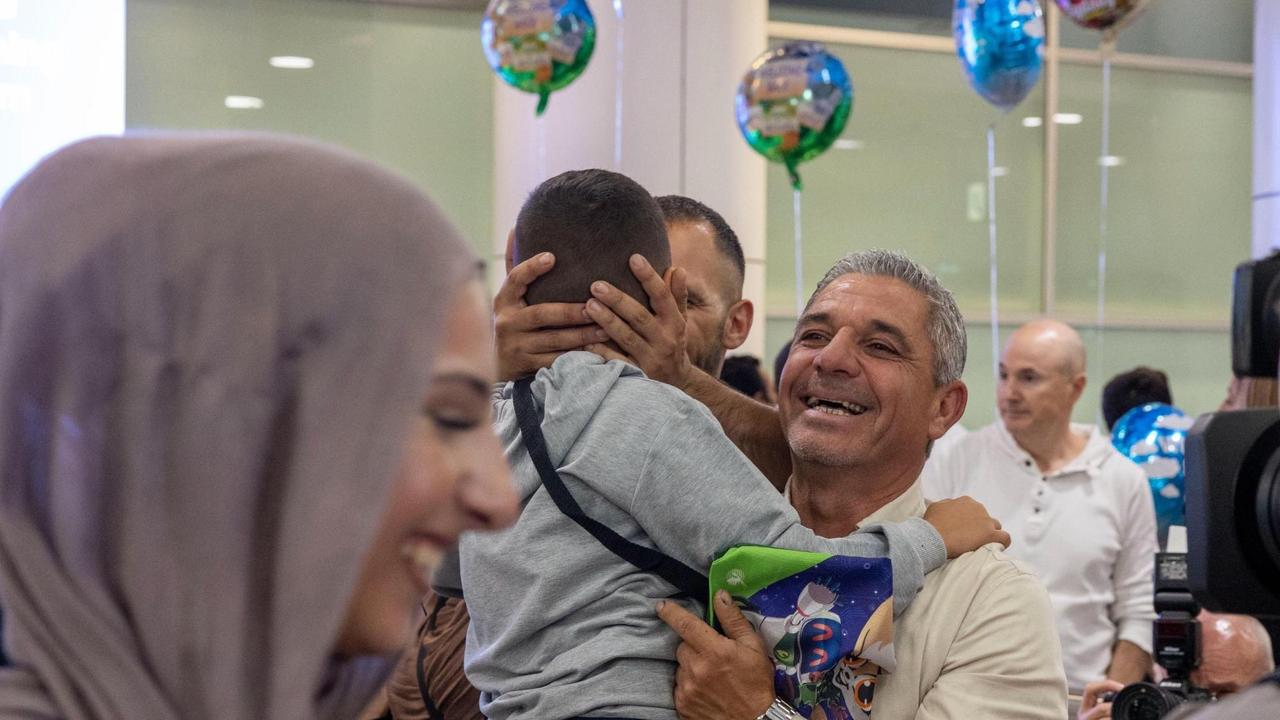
(780, 710)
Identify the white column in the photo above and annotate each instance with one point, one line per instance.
(61, 77)
(682, 61)
(1266, 126)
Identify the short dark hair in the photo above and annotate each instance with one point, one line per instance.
(742, 373)
(1132, 389)
(594, 221)
(678, 208)
(780, 362)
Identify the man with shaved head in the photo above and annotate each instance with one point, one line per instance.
(1235, 653)
(1080, 514)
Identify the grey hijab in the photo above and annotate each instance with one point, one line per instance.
(210, 351)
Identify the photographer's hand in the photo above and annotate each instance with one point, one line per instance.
(1090, 708)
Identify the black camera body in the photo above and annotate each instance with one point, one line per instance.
(1233, 466)
(1233, 511)
(1176, 643)
(1150, 701)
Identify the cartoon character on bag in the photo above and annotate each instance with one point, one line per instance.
(809, 668)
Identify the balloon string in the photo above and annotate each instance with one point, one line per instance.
(991, 251)
(617, 92)
(541, 122)
(795, 210)
(1104, 172)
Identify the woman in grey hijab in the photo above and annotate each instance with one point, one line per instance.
(227, 460)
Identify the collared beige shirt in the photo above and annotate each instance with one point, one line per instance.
(978, 642)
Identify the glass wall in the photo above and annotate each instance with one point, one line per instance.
(1178, 216)
(407, 86)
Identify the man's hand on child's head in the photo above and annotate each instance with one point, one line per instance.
(531, 337)
(964, 525)
(720, 676)
(654, 341)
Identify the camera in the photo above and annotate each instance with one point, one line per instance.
(1233, 466)
(1232, 469)
(1176, 645)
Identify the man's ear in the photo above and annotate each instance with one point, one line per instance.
(511, 249)
(737, 324)
(951, 400)
(1077, 387)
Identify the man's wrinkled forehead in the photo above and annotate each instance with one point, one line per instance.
(830, 305)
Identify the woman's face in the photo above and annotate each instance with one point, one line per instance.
(453, 477)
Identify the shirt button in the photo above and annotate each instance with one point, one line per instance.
(1027, 463)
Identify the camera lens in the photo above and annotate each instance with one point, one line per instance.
(1143, 701)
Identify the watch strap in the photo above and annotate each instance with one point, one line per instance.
(780, 710)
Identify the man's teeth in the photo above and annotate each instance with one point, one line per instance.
(836, 407)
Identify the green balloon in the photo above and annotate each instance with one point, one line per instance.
(538, 46)
(793, 103)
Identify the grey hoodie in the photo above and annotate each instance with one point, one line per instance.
(560, 626)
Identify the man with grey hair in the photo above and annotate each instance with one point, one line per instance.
(872, 379)
(1080, 513)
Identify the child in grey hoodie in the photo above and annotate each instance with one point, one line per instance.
(561, 627)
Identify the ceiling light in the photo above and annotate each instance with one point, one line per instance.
(1068, 118)
(1110, 160)
(1033, 121)
(849, 144)
(292, 62)
(243, 102)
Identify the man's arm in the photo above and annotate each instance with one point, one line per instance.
(1129, 663)
(1132, 611)
(655, 342)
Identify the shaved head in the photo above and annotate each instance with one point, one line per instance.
(1056, 342)
(1237, 652)
(1041, 378)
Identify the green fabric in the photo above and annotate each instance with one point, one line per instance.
(744, 570)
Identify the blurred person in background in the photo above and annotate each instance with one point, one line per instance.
(240, 425)
(744, 374)
(1135, 388)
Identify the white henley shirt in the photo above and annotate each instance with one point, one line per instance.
(1087, 530)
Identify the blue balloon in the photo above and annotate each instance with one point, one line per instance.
(1000, 44)
(1154, 436)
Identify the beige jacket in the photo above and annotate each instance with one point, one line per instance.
(977, 642)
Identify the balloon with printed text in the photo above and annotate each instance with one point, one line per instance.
(538, 46)
(793, 103)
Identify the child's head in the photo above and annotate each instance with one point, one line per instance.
(593, 221)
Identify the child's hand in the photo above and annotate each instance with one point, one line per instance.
(964, 525)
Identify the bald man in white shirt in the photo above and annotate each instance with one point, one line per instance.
(1080, 514)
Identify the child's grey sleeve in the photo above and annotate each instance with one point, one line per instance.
(915, 549)
(697, 495)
